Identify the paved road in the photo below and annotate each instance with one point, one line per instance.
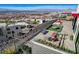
(30, 34)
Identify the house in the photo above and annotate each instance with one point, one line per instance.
(12, 31)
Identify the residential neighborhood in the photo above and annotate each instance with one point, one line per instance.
(31, 30)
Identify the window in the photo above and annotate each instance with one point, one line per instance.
(16, 27)
(29, 26)
(9, 32)
(10, 38)
(43, 21)
(13, 32)
(20, 34)
(23, 27)
(8, 28)
(1, 33)
(6, 36)
(13, 35)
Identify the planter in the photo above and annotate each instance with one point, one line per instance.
(54, 46)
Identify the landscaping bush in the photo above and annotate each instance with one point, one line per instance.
(52, 45)
(56, 28)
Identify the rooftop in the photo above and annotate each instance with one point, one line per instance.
(19, 23)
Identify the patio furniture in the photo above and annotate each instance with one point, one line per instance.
(49, 38)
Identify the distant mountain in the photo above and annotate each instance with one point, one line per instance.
(12, 10)
(7, 10)
(53, 10)
(36, 10)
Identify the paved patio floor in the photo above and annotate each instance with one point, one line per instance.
(67, 29)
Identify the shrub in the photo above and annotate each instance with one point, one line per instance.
(53, 45)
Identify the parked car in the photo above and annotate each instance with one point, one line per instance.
(44, 31)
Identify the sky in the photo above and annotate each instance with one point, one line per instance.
(38, 6)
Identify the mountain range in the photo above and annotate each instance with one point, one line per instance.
(36, 10)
